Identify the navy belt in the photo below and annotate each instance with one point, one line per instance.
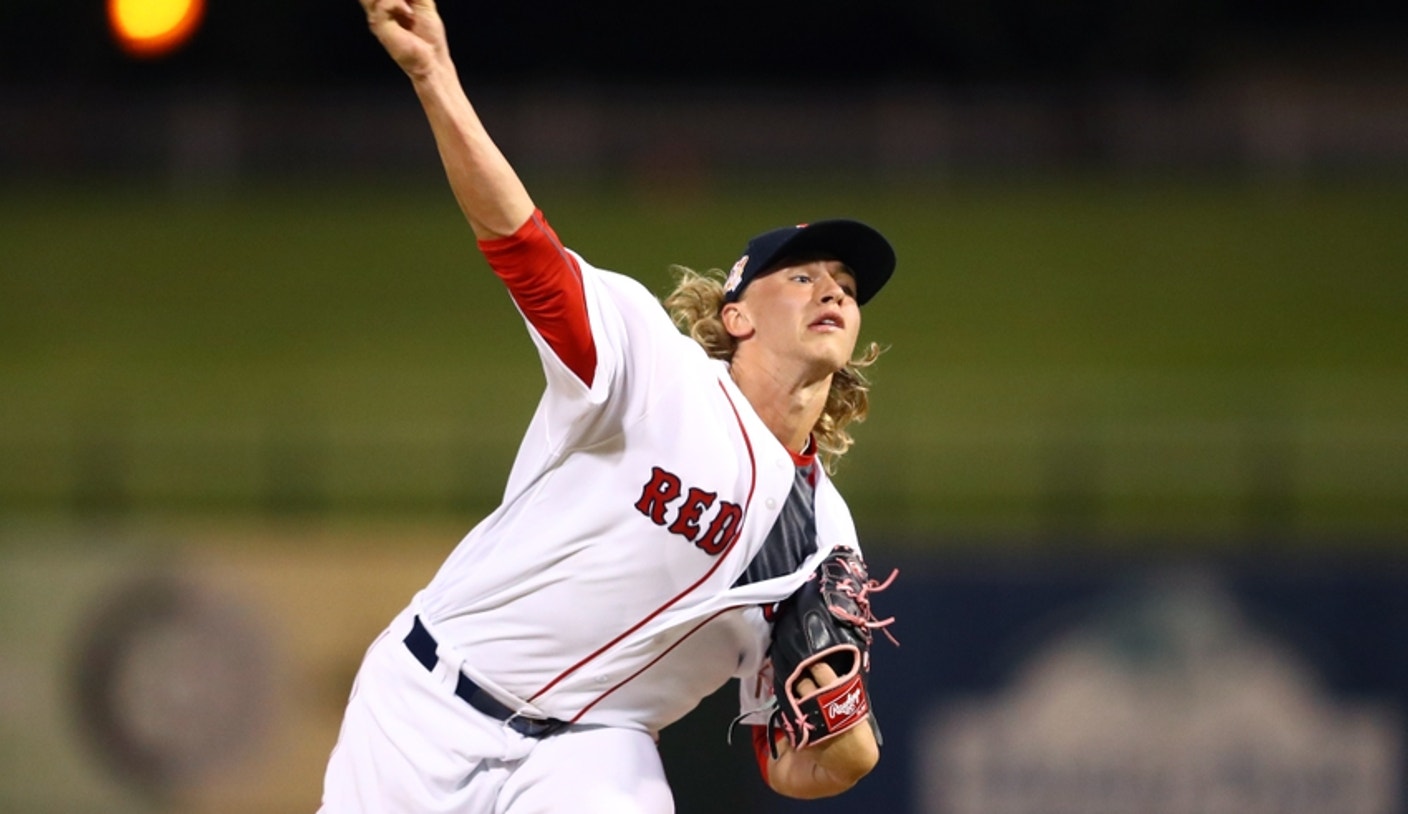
(422, 645)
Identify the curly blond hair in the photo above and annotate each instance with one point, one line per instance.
(695, 305)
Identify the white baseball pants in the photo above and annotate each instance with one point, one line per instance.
(409, 745)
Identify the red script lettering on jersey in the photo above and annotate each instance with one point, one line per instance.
(687, 518)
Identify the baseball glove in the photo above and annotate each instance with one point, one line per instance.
(827, 620)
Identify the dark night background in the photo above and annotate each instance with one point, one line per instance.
(325, 44)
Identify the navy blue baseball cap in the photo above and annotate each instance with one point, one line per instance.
(865, 252)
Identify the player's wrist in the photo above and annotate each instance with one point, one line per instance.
(849, 756)
(436, 73)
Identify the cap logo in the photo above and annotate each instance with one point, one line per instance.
(735, 276)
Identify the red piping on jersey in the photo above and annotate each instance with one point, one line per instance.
(545, 281)
(748, 502)
(653, 661)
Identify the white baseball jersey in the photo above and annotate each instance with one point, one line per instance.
(605, 589)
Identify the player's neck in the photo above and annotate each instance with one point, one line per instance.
(789, 408)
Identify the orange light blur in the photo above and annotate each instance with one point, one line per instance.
(147, 29)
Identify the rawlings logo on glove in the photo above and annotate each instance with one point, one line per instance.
(854, 703)
(828, 620)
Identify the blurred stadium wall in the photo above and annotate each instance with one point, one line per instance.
(1270, 121)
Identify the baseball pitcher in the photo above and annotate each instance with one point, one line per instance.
(668, 523)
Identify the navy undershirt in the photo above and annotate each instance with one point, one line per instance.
(793, 537)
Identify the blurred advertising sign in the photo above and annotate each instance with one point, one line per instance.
(203, 672)
(1164, 699)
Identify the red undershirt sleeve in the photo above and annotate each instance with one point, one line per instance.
(760, 748)
(546, 283)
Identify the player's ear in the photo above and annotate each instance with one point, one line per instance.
(736, 321)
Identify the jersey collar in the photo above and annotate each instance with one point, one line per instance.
(807, 456)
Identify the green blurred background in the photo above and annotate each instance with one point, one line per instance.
(1089, 359)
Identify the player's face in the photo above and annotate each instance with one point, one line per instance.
(807, 310)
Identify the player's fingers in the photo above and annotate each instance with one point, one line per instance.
(817, 676)
(404, 12)
(823, 674)
(381, 12)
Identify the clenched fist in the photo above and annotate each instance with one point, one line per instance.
(411, 32)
